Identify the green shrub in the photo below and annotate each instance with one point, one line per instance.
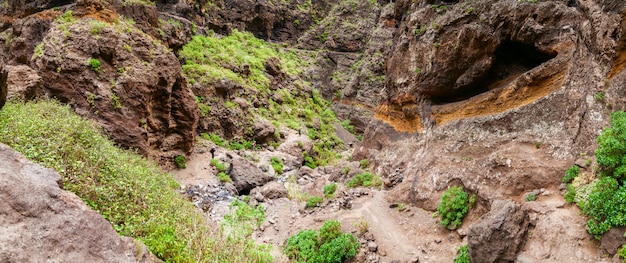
(621, 253)
(277, 164)
(605, 203)
(612, 147)
(462, 255)
(531, 197)
(346, 123)
(364, 163)
(314, 201)
(203, 108)
(330, 245)
(213, 138)
(180, 161)
(39, 50)
(132, 193)
(364, 179)
(453, 207)
(329, 190)
(218, 165)
(224, 177)
(570, 174)
(94, 64)
(570, 195)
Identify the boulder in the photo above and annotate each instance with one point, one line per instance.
(264, 131)
(42, 223)
(246, 175)
(498, 235)
(295, 146)
(613, 240)
(274, 190)
(23, 82)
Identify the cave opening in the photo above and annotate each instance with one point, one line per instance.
(511, 59)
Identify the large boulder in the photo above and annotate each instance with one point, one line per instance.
(498, 235)
(42, 223)
(121, 78)
(23, 82)
(613, 240)
(246, 175)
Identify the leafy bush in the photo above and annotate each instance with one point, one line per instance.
(180, 161)
(570, 195)
(203, 108)
(213, 138)
(218, 165)
(134, 194)
(94, 64)
(462, 255)
(612, 147)
(453, 207)
(531, 197)
(605, 204)
(570, 174)
(277, 164)
(364, 179)
(329, 190)
(326, 246)
(314, 201)
(224, 177)
(364, 163)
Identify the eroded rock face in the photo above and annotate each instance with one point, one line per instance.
(44, 223)
(23, 82)
(498, 235)
(123, 79)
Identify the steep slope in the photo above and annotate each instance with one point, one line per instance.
(44, 223)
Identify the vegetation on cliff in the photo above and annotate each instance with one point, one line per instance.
(286, 100)
(606, 201)
(132, 193)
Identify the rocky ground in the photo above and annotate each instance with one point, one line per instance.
(553, 231)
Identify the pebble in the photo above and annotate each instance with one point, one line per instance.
(372, 246)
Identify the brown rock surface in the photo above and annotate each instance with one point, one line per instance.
(46, 224)
(246, 175)
(137, 92)
(498, 235)
(23, 82)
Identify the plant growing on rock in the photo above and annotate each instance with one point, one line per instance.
(364, 179)
(326, 246)
(605, 203)
(180, 161)
(329, 190)
(571, 173)
(225, 178)
(277, 164)
(453, 207)
(462, 255)
(364, 163)
(314, 201)
(94, 64)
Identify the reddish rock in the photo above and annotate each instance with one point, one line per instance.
(23, 82)
(133, 87)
